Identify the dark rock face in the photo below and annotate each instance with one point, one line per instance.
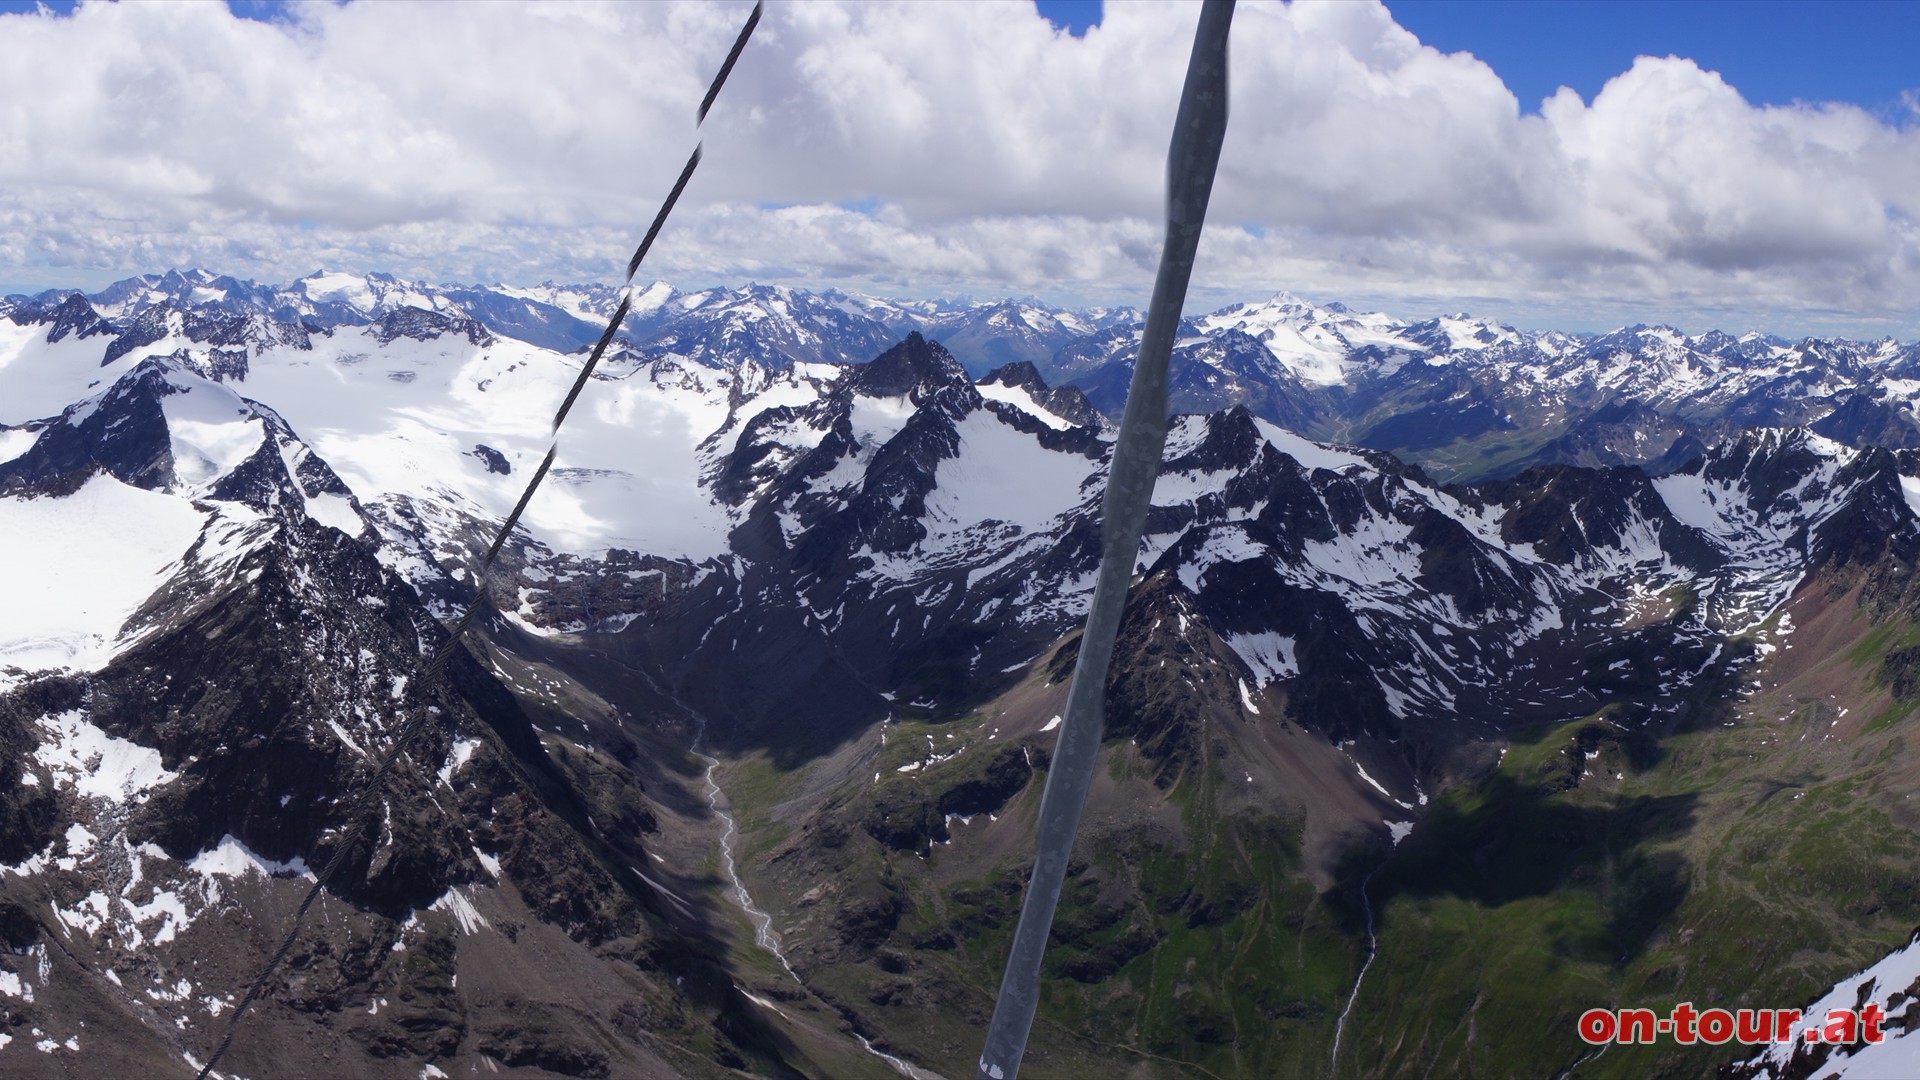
(251, 732)
(423, 325)
(915, 367)
(1565, 513)
(495, 461)
(1863, 419)
(243, 331)
(752, 464)
(886, 512)
(122, 432)
(1876, 521)
(72, 316)
(29, 812)
(153, 324)
(264, 481)
(909, 813)
(268, 678)
(535, 1046)
(427, 1017)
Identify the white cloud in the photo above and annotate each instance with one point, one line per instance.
(988, 153)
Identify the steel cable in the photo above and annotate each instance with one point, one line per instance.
(366, 794)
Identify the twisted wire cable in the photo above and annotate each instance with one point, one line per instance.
(367, 793)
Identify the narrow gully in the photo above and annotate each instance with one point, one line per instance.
(763, 934)
(1373, 950)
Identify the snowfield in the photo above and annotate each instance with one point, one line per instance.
(73, 570)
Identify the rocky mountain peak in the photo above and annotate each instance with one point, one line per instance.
(72, 316)
(1067, 403)
(121, 431)
(156, 323)
(1020, 374)
(915, 368)
(423, 325)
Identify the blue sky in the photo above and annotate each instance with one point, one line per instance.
(1404, 157)
(1073, 16)
(1775, 51)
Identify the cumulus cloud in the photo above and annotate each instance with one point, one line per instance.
(926, 148)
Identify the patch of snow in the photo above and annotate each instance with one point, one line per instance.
(231, 858)
(1020, 399)
(463, 911)
(1311, 455)
(457, 757)
(1246, 699)
(14, 442)
(170, 909)
(337, 511)
(1899, 1055)
(876, 420)
(1372, 781)
(211, 430)
(79, 840)
(1269, 655)
(74, 569)
(346, 737)
(1002, 474)
(98, 765)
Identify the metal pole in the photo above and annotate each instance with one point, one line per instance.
(1191, 161)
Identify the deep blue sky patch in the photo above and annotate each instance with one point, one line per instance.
(1076, 17)
(1773, 52)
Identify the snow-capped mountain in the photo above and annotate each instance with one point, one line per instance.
(802, 532)
(892, 508)
(794, 495)
(775, 325)
(203, 652)
(1469, 398)
(1329, 346)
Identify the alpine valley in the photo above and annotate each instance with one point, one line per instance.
(1472, 678)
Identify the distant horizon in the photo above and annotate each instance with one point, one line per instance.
(104, 279)
(1576, 165)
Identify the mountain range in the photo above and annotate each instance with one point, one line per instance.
(1472, 677)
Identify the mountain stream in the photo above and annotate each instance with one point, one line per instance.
(763, 934)
(1373, 949)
